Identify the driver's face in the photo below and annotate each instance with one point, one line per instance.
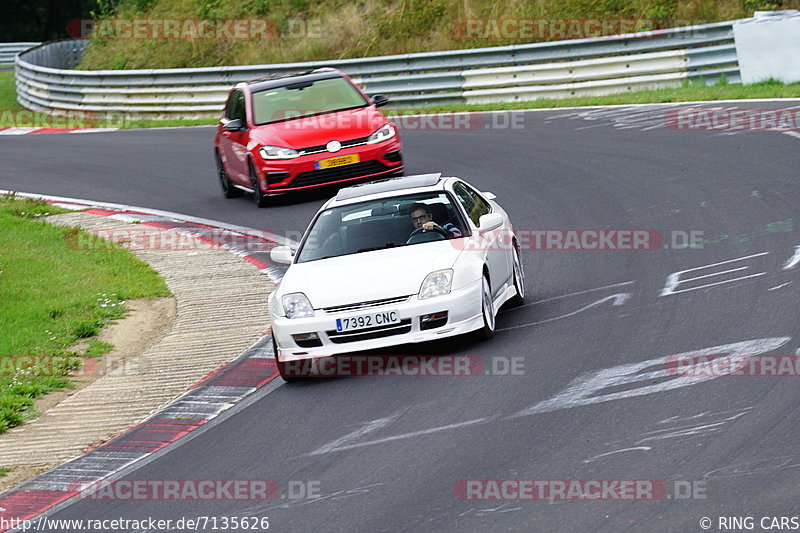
(419, 217)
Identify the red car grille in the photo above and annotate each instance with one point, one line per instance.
(318, 177)
(324, 147)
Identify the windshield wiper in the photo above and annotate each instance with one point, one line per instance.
(392, 244)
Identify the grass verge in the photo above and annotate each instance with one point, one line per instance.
(305, 30)
(8, 92)
(53, 297)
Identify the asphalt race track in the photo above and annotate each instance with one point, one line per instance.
(387, 453)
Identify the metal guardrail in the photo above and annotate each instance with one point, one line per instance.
(46, 81)
(8, 51)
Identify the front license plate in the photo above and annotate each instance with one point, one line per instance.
(340, 161)
(368, 321)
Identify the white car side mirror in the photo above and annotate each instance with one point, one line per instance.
(489, 221)
(282, 254)
(489, 195)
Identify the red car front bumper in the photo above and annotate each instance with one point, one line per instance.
(375, 161)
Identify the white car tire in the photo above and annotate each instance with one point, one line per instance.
(519, 282)
(487, 311)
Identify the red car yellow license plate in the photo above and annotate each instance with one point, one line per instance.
(340, 161)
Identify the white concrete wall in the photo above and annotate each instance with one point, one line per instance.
(769, 47)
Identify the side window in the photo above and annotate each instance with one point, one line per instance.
(230, 107)
(483, 205)
(235, 108)
(240, 107)
(468, 202)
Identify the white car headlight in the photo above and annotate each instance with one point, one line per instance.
(436, 284)
(296, 305)
(384, 133)
(277, 152)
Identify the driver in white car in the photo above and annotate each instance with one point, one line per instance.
(421, 217)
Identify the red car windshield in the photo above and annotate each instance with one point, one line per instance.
(306, 99)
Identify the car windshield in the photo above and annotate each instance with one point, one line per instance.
(304, 99)
(379, 224)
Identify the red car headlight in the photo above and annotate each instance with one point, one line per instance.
(384, 133)
(277, 152)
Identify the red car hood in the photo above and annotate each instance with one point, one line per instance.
(320, 129)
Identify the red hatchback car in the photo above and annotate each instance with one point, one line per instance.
(289, 132)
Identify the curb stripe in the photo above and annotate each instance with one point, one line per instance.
(47, 131)
(213, 394)
(29, 503)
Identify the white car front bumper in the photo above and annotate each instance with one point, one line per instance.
(464, 315)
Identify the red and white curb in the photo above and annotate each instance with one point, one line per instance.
(204, 401)
(26, 131)
(251, 245)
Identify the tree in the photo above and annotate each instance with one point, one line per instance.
(40, 20)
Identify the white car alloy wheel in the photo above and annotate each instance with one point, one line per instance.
(487, 308)
(519, 282)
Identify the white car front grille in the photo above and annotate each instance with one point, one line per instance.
(365, 305)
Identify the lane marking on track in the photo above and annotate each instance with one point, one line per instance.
(780, 286)
(588, 389)
(792, 134)
(674, 279)
(615, 299)
(502, 508)
(712, 422)
(672, 433)
(635, 448)
(328, 449)
(369, 427)
(792, 261)
(587, 291)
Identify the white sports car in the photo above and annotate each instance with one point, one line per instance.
(402, 260)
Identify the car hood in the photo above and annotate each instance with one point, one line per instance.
(319, 130)
(369, 276)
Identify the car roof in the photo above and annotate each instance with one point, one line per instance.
(286, 78)
(388, 185)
